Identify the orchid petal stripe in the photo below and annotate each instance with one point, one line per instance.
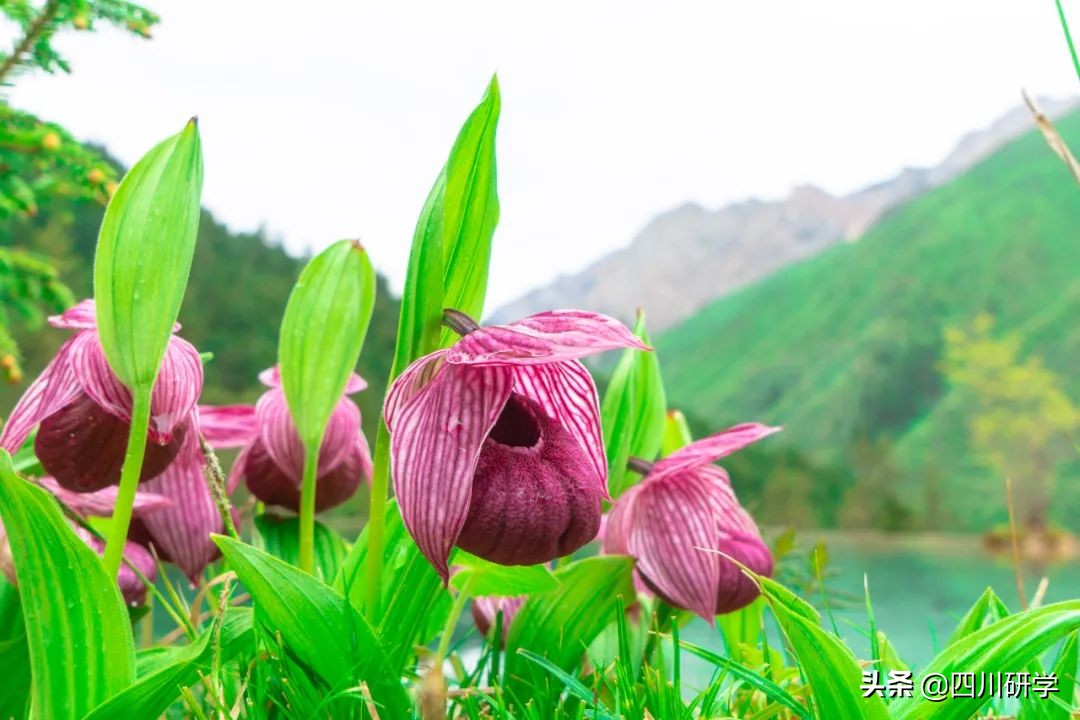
(567, 393)
(101, 502)
(544, 338)
(673, 519)
(434, 448)
(183, 530)
(79, 317)
(53, 389)
(228, 426)
(708, 450)
(410, 382)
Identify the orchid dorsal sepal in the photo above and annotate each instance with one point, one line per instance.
(459, 322)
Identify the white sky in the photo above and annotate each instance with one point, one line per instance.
(324, 120)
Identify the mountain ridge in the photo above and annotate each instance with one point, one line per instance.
(689, 256)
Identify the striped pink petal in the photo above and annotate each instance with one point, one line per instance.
(567, 393)
(671, 520)
(102, 502)
(79, 317)
(228, 426)
(409, 383)
(708, 450)
(281, 440)
(435, 442)
(176, 391)
(485, 612)
(182, 530)
(544, 338)
(271, 377)
(53, 389)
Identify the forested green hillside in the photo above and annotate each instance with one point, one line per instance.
(238, 288)
(845, 349)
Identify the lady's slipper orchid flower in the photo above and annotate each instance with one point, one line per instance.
(181, 531)
(682, 519)
(486, 609)
(272, 462)
(496, 443)
(83, 411)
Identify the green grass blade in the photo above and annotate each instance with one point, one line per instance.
(159, 688)
(78, 634)
(560, 625)
(319, 626)
(762, 684)
(828, 665)
(1008, 645)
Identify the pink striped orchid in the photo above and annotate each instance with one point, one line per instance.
(681, 521)
(272, 461)
(83, 415)
(496, 443)
(486, 609)
(83, 411)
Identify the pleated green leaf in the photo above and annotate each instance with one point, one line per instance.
(77, 631)
(561, 624)
(632, 412)
(280, 536)
(451, 248)
(414, 602)
(144, 255)
(322, 334)
(677, 433)
(319, 626)
(828, 665)
(159, 688)
(470, 209)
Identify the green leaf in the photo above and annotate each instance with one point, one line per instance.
(988, 609)
(764, 685)
(14, 655)
(561, 624)
(159, 688)
(742, 628)
(80, 643)
(828, 665)
(280, 536)
(321, 628)
(632, 412)
(676, 432)
(470, 209)
(414, 602)
(451, 248)
(144, 255)
(322, 334)
(487, 578)
(1008, 645)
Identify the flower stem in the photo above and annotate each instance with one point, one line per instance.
(452, 620)
(129, 479)
(307, 510)
(215, 478)
(380, 480)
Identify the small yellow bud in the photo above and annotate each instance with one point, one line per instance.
(81, 22)
(51, 141)
(95, 176)
(110, 188)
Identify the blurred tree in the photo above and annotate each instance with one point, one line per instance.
(873, 501)
(39, 161)
(1020, 419)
